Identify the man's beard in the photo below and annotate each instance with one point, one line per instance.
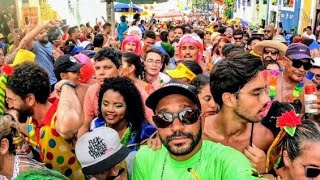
(43, 41)
(194, 138)
(23, 114)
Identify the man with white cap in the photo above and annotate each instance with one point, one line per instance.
(101, 155)
(314, 73)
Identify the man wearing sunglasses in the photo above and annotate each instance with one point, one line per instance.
(298, 63)
(315, 72)
(270, 50)
(269, 32)
(184, 155)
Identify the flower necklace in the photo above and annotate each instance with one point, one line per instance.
(191, 170)
(297, 90)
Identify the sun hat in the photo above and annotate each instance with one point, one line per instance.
(260, 46)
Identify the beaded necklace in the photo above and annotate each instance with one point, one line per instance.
(297, 90)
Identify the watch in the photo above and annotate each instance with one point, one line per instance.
(68, 83)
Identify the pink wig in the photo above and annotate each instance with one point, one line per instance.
(134, 39)
(191, 39)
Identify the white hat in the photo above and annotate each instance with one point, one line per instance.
(100, 150)
(316, 62)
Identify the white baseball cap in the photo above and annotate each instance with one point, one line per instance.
(100, 150)
(316, 62)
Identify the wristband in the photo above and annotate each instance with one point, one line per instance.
(68, 83)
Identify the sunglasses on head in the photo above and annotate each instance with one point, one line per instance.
(269, 51)
(297, 64)
(312, 171)
(189, 116)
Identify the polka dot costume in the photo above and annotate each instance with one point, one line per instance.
(56, 153)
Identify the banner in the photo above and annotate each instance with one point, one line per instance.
(29, 15)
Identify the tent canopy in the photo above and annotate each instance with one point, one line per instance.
(141, 1)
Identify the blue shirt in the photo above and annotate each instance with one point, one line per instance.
(44, 57)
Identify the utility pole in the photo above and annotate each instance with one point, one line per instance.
(110, 14)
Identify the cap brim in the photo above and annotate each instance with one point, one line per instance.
(301, 56)
(174, 73)
(76, 67)
(107, 163)
(154, 98)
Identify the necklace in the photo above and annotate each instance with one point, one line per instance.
(297, 90)
(190, 170)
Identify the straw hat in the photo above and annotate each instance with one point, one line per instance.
(259, 47)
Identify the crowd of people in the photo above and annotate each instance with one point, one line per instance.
(183, 99)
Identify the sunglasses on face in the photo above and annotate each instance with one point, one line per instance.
(237, 38)
(297, 64)
(272, 52)
(312, 171)
(267, 31)
(164, 120)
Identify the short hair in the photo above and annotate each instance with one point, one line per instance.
(30, 78)
(200, 81)
(82, 25)
(230, 49)
(131, 96)
(193, 66)
(180, 27)
(150, 34)
(164, 58)
(221, 29)
(133, 59)
(238, 32)
(109, 53)
(164, 36)
(309, 27)
(233, 74)
(200, 33)
(250, 40)
(72, 30)
(106, 25)
(52, 37)
(98, 40)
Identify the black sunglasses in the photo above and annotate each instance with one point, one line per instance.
(164, 120)
(297, 64)
(237, 38)
(312, 171)
(272, 52)
(267, 31)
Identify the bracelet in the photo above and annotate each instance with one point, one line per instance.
(68, 83)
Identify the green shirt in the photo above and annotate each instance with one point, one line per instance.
(213, 162)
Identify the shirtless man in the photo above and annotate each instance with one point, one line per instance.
(239, 87)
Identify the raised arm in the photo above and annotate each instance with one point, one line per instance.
(69, 112)
(28, 39)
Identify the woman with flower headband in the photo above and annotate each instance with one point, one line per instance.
(294, 154)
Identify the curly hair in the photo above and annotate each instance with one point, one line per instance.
(30, 78)
(233, 73)
(109, 53)
(131, 95)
